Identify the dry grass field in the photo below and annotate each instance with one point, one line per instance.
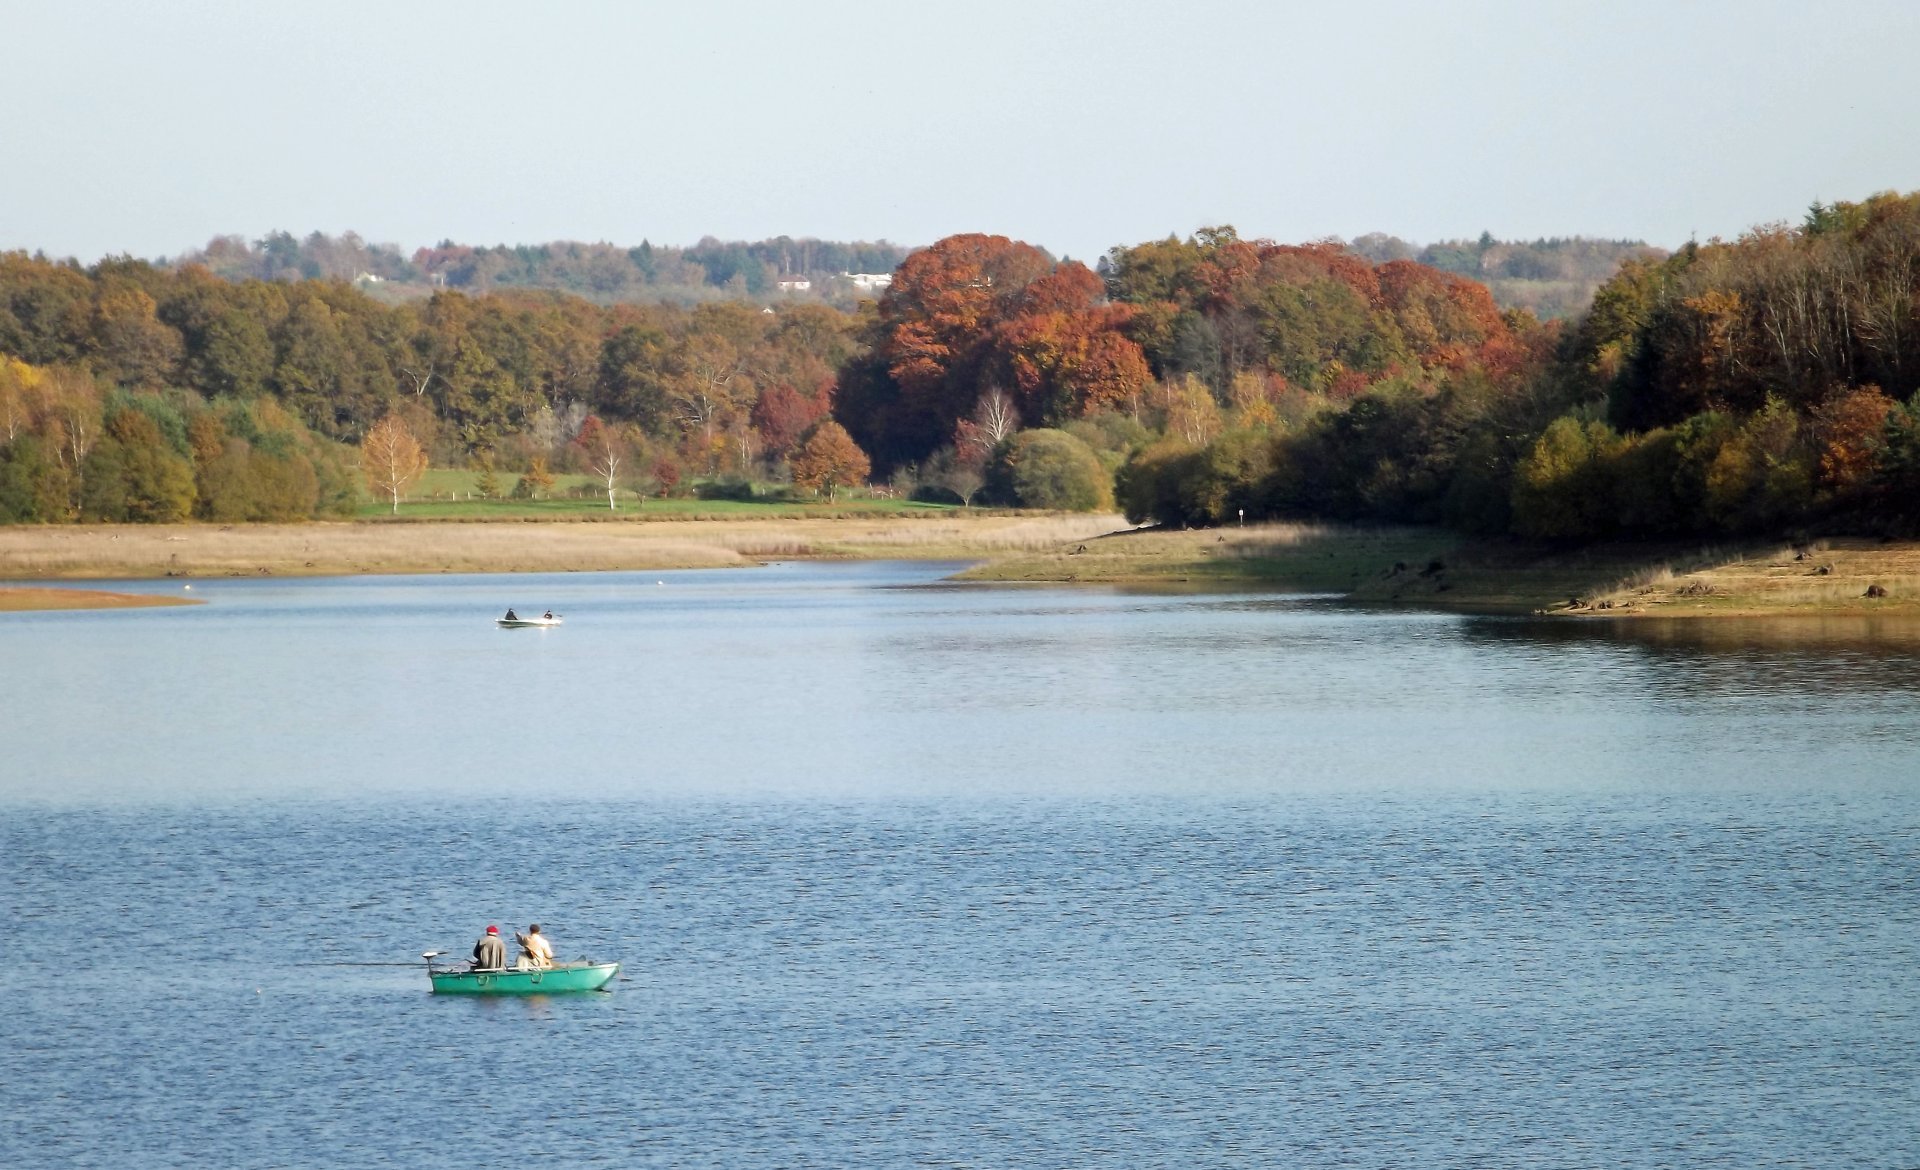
(1821, 577)
(326, 549)
(1312, 558)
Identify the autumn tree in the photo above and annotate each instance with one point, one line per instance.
(1851, 430)
(533, 481)
(19, 389)
(1188, 410)
(705, 387)
(970, 310)
(129, 339)
(391, 459)
(829, 460)
(781, 415)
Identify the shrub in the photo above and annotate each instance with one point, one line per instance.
(1052, 469)
(1148, 485)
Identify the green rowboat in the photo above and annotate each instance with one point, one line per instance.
(554, 980)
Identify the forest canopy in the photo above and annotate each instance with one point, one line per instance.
(1761, 384)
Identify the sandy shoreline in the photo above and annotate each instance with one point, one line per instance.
(38, 598)
(1428, 568)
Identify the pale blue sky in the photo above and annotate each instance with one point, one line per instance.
(149, 127)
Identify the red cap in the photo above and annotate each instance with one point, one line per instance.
(493, 930)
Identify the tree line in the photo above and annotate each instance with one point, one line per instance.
(1764, 383)
(305, 368)
(710, 270)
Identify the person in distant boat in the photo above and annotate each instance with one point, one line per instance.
(549, 615)
(511, 617)
(490, 954)
(535, 950)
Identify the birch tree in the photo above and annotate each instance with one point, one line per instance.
(391, 459)
(607, 450)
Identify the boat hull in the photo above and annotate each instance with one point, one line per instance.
(525, 623)
(554, 980)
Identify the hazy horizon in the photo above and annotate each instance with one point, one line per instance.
(151, 130)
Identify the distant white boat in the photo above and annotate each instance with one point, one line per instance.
(511, 622)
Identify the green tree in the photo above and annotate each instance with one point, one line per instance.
(132, 474)
(487, 483)
(315, 367)
(632, 381)
(1148, 484)
(228, 491)
(1562, 489)
(34, 486)
(1052, 469)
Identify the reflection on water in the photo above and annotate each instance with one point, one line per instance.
(905, 874)
(1782, 655)
(1892, 638)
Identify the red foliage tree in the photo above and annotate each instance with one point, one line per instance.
(782, 416)
(975, 309)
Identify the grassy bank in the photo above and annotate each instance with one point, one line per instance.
(1305, 557)
(444, 494)
(1437, 569)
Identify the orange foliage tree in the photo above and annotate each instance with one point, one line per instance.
(974, 310)
(829, 460)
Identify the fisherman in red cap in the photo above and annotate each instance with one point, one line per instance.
(490, 954)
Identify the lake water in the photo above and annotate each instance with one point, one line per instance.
(906, 874)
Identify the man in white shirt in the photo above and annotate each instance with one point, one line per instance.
(535, 950)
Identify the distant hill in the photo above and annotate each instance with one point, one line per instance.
(1552, 277)
(604, 273)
